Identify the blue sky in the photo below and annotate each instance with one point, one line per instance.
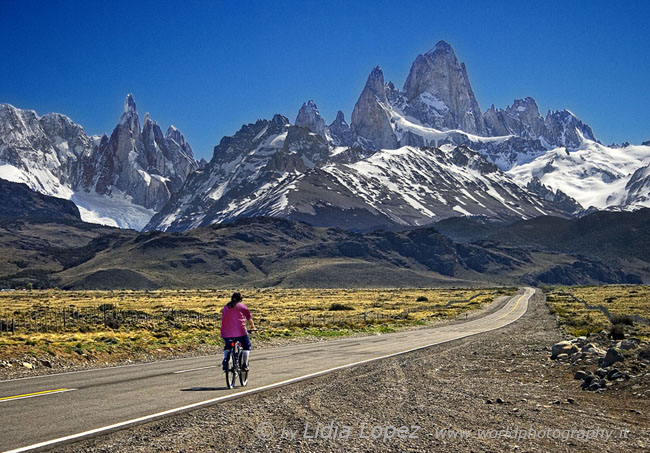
(209, 67)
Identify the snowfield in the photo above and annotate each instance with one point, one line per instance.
(117, 210)
(594, 175)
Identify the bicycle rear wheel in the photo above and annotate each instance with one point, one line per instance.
(231, 371)
(243, 374)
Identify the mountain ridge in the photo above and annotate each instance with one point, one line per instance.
(121, 180)
(270, 251)
(403, 160)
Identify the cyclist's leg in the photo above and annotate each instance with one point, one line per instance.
(246, 350)
(226, 353)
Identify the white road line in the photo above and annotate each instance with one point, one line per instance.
(195, 369)
(252, 391)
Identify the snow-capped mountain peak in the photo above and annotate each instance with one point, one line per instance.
(437, 96)
(119, 180)
(595, 175)
(408, 157)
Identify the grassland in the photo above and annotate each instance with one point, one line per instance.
(621, 301)
(169, 321)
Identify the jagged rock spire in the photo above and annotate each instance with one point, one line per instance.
(440, 94)
(129, 104)
(340, 131)
(140, 162)
(370, 117)
(310, 117)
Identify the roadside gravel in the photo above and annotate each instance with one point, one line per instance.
(498, 381)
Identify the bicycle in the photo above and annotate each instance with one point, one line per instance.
(234, 365)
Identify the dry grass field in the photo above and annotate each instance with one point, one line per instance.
(621, 301)
(114, 325)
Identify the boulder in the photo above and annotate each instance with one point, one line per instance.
(563, 347)
(588, 380)
(595, 385)
(644, 354)
(612, 356)
(614, 374)
(601, 373)
(577, 356)
(591, 348)
(629, 343)
(580, 375)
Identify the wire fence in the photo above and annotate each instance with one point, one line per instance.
(43, 319)
(636, 318)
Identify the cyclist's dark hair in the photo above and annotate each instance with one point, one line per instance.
(236, 297)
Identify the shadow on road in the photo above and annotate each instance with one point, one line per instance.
(204, 389)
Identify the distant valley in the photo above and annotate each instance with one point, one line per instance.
(46, 249)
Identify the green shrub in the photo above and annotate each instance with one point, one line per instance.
(113, 324)
(339, 307)
(617, 332)
(422, 299)
(622, 319)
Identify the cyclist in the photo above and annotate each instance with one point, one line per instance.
(233, 328)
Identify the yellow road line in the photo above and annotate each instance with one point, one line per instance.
(31, 395)
(513, 308)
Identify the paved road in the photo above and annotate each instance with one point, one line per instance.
(41, 411)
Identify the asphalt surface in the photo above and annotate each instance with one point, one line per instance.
(40, 412)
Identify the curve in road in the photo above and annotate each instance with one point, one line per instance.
(76, 405)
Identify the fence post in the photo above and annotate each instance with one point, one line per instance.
(13, 327)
